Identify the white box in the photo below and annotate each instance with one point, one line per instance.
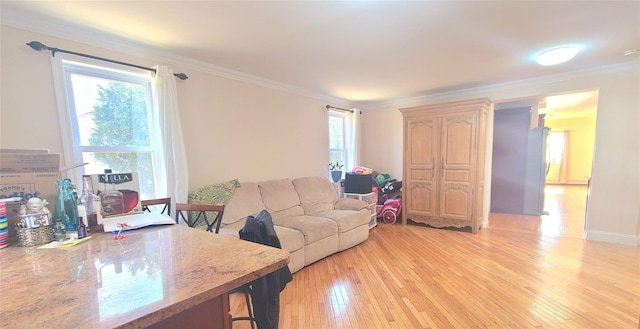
(372, 200)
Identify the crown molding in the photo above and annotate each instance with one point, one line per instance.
(47, 26)
(428, 98)
(72, 32)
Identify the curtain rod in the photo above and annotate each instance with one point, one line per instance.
(39, 46)
(338, 108)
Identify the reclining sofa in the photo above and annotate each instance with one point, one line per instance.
(311, 221)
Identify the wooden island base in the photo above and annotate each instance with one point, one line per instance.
(212, 314)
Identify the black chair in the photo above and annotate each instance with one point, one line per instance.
(192, 214)
(166, 209)
(246, 291)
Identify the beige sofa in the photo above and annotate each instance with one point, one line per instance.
(309, 218)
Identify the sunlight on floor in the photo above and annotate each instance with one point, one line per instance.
(564, 211)
(553, 223)
(553, 190)
(339, 298)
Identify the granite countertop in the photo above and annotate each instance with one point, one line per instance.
(134, 282)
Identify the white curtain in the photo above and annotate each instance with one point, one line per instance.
(174, 162)
(353, 120)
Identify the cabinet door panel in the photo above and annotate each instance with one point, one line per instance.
(456, 201)
(422, 148)
(453, 175)
(458, 132)
(422, 151)
(422, 199)
(457, 149)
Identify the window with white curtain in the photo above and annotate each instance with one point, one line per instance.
(107, 120)
(338, 138)
(555, 147)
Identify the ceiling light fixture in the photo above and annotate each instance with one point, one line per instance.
(557, 55)
(631, 52)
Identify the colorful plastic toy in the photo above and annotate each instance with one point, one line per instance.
(389, 210)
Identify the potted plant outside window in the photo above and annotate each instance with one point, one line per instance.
(336, 171)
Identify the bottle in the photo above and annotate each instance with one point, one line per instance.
(89, 200)
(59, 210)
(112, 200)
(70, 207)
(59, 232)
(74, 191)
(82, 229)
(104, 180)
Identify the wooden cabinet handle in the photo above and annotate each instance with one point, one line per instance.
(433, 166)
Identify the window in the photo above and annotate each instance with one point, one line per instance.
(555, 147)
(108, 120)
(338, 134)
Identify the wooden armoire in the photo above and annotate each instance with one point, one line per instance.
(444, 163)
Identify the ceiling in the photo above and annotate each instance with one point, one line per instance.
(358, 51)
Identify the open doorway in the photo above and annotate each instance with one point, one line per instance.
(547, 192)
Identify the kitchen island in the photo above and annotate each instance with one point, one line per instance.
(161, 277)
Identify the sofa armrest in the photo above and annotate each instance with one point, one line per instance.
(351, 204)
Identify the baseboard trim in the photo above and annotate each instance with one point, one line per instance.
(626, 239)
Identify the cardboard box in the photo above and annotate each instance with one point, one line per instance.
(27, 174)
(29, 185)
(127, 183)
(29, 162)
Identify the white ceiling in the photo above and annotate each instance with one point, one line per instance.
(360, 51)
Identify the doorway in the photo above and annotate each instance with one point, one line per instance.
(568, 153)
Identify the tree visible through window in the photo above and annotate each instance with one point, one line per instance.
(110, 115)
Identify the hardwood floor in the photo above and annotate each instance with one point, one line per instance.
(409, 276)
(565, 205)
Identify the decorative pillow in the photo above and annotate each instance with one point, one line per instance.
(218, 193)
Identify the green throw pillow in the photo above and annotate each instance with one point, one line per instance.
(218, 193)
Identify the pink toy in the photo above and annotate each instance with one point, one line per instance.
(390, 210)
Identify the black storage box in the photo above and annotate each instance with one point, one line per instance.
(361, 184)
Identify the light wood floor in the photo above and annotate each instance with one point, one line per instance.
(565, 205)
(408, 276)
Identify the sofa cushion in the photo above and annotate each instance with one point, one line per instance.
(351, 204)
(313, 228)
(280, 198)
(290, 239)
(347, 219)
(229, 232)
(246, 201)
(235, 226)
(279, 194)
(316, 194)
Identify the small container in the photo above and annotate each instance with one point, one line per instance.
(59, 231)
(82, 228)
(34, 236)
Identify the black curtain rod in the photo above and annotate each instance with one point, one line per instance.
(39, 46)
(338, 108)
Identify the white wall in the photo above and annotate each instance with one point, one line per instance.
(614, 201)
(232, 129)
